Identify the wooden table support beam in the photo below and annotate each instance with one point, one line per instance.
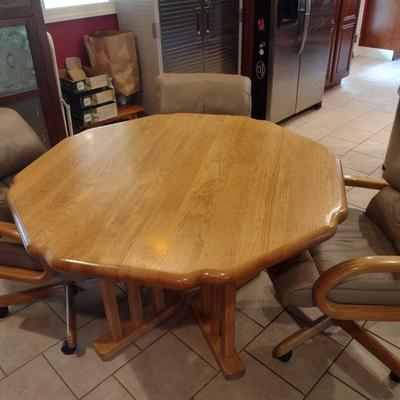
(135, 303)
(122, 333)
(111, 308)
(219, 327)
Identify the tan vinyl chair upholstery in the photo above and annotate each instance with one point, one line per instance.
(375, 232)
(204, 94)
(343, 277)
(20, 146)
(357, 236)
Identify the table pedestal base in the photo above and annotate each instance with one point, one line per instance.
(121, 333)
(215, 313)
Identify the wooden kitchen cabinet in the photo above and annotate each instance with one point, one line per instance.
(381, 27)
(344, 24)
(28, 83)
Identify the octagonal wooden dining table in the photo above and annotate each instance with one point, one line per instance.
(177, 202)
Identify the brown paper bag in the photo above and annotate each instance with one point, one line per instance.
(114, 52)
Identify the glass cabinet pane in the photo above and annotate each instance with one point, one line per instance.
(17, 73)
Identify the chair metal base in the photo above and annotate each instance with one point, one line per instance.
(66, 288)
(357, 332)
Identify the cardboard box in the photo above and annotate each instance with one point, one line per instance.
(89, 116)
(89, 99)
(93, 81)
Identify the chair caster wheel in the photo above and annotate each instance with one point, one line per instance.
(3, 312)
(286, 357)
(394, 377)
(66, 349)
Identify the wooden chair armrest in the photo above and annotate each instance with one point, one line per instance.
(350, 269)
(9, 230)
(26, 275)
(366, 182)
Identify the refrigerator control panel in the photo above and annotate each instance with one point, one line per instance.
(260, 62)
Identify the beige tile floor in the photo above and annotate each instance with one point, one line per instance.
(173, 361)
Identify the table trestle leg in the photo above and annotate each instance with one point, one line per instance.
(215, 312)
(158, 297)
(135, 303)
(121, 333)
(206, 299)
(111, 309)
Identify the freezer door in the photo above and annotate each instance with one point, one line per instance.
(221, 36)
(181, 24)
(315, 53)
(284, 60)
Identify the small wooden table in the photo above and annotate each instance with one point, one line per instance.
(125, 113)
(176, 202)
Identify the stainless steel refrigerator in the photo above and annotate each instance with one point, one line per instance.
(290, 56)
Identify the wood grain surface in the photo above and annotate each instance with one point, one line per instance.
(178, 200)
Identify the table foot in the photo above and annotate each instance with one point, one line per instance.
(215, 313)
(122, 333)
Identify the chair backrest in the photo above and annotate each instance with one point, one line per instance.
(19, 144)
(384, 208)
(204, 93)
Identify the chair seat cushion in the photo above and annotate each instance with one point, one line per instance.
(357, 236)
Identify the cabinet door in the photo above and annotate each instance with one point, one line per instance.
(332, 42)
(221, 36)
(381, 27)
(181, 35)
(345, 39)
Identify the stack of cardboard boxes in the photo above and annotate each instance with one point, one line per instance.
(90, 95)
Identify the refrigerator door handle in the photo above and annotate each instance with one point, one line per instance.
(207, 20)
(198, 21)
(304, 32)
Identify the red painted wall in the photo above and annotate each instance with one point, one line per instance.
(68, 35)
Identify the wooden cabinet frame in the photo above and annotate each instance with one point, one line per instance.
(29, 13)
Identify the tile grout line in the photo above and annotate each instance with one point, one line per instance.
(275, 373)
(205, 385)
(4, 374)
(250, 318)
(113, 377)
(18, 311)
(327, 369)
(380, 337)
(346, 384)
(62, 379)
(268, 325)
(193, 350)
(121, 383)
(41, 353)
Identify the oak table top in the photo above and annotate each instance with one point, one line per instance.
(178, 200)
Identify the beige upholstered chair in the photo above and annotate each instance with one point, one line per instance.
(19, 146)
(353, 276)
(204, 94)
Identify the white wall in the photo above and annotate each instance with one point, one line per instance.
(356, 47)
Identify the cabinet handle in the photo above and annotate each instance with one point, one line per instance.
(198, 21)
(207, 12)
